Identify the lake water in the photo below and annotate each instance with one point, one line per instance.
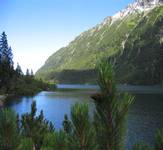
(145, 115)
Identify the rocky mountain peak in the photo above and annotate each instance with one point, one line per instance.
(148, 3)
(135, 7)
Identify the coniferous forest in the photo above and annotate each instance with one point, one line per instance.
(13, 81)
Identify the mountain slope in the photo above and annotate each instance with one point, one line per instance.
(142, 58)
(127, 38)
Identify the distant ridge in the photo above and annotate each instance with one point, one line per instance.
(132, 39)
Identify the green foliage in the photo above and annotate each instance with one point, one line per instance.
(27, 72)
(106, 131)
(26, 144)
(27, 85)
(60, 141)
(48, 142)
(18, 70)
(13, 81)
(81, 54)
(159, 140)
(82, 137)
(134, 42)
(75, 76)
(111, 110)
(67, 126)
(140, 62)
(9, 138)
(55, 141)
(5, 51)
(6, 62)
(106, 77)
(35, 127)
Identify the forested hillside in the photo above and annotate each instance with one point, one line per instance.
(131, 39)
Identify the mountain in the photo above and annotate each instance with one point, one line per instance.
(132, 40)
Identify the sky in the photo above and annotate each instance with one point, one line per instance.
(37, 28)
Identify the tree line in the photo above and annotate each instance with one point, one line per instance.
(13, 81)
(105, 131)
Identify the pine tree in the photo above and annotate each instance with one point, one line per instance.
(67, 126)
(9, 138)
(10, 57)
(111, 110)
(35, 127)
(82, 136)
(26, 144)
(6, 62)
(18, 70)
(32, 74)
(60, 141)
(27, 72)
(55, 141)
(6, 52)
(3, 46)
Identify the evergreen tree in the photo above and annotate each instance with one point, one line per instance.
(10, 57)
(55, 141)
(12, 81)
(82, 136)
(9, 138)
(111, 110)
(6, 52)
(32, 73)
(18, 70)
(26, 144)
(3, 46)
(60, 141)
(35, 127)
(67, 126)
(6, 62)
(27, 72)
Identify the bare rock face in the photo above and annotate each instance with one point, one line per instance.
(107, 20)
(148, 3)
(135, 7)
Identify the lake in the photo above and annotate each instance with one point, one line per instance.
(145, 115)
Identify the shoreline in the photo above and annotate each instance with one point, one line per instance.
(141, 89)
(137, 89)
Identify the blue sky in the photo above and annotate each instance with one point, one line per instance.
(38, 28)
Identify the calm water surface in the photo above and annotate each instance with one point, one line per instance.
(145, 116)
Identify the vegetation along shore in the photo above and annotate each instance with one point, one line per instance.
(107, 130)
(12, 80)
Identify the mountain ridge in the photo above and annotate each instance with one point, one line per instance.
(106, 39)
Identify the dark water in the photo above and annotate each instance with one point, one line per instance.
(145, 116)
